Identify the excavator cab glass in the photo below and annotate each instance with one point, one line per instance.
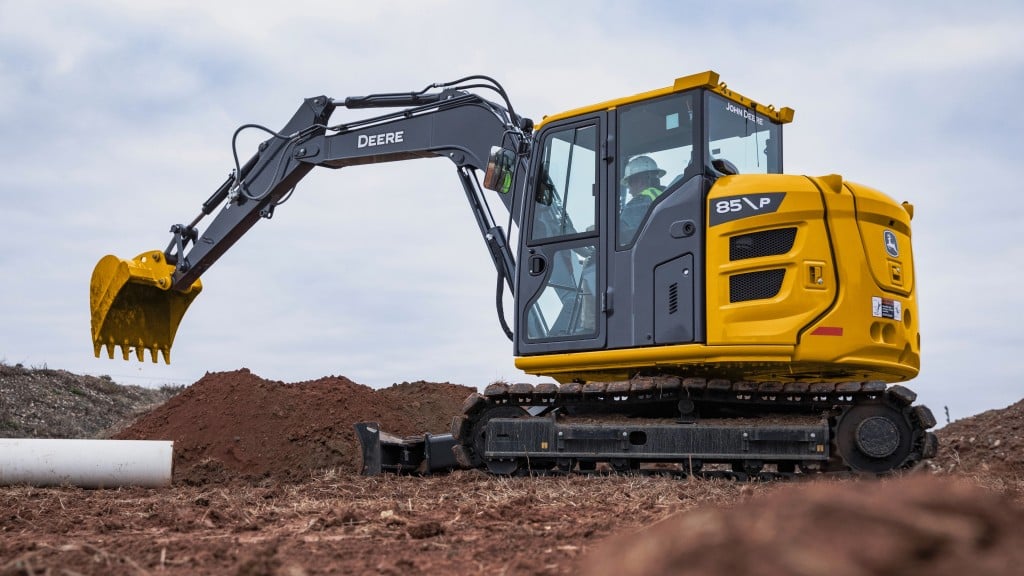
(564, 236)
(501, 166)
(657, 154)
(745, 141)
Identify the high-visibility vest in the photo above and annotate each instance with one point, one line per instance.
(651, 193)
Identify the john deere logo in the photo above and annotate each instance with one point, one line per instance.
(891, 247)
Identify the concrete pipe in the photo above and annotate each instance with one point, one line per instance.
(85, 463)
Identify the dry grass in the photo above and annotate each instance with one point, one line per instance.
(447, 520)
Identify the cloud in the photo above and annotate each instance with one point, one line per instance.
(117, 118)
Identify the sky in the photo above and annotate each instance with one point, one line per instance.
(117, 118)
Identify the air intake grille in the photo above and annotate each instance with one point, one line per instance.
(758, 244)
(755, 285)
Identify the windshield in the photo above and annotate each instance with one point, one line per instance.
(750, 141)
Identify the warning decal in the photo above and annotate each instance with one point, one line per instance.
(886, 308)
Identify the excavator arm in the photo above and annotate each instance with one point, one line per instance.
(137, 304)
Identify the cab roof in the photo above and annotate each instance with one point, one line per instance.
(708, 80)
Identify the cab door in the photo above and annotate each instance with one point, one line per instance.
(561, 273)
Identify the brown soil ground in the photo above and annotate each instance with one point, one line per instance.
(266, 483)
(914, 525)
(989, 443)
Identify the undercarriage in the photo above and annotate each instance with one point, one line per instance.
(670, 425)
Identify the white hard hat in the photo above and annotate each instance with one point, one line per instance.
(641, 164)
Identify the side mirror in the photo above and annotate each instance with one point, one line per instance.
(725, 167)
(501, 167)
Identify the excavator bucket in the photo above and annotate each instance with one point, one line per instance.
(133, 306)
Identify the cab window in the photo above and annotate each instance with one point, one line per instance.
(655, 152)
(750, 141)
(565, 198)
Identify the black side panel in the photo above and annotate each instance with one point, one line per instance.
(673, 301)
(669, 249)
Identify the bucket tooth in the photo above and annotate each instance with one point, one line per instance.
(133, 306)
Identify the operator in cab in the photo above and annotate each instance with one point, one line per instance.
(642, 180)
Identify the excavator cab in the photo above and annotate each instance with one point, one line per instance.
(613, 245)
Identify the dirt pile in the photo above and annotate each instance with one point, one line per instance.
(913, 525)
(45, 403)
(992, 441)
(237, 424)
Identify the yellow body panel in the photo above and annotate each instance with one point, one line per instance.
(796, 303)
(621, 364)
(846, 308)
(133, 307)
(858, 218)
(708, 79)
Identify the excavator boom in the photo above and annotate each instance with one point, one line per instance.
(138, 304)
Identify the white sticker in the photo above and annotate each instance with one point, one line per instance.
(886, 308)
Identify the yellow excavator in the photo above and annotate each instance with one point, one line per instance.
(698, 310)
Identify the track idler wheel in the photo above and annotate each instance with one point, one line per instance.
(475, 443)
(875, 437)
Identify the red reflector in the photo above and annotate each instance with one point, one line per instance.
(828, 331)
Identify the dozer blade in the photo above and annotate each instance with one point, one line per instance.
(426, 454)
(133, 306)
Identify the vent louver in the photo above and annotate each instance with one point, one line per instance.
(759, 244)
(755, 285)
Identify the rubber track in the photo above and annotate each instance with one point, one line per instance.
(830, 398)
